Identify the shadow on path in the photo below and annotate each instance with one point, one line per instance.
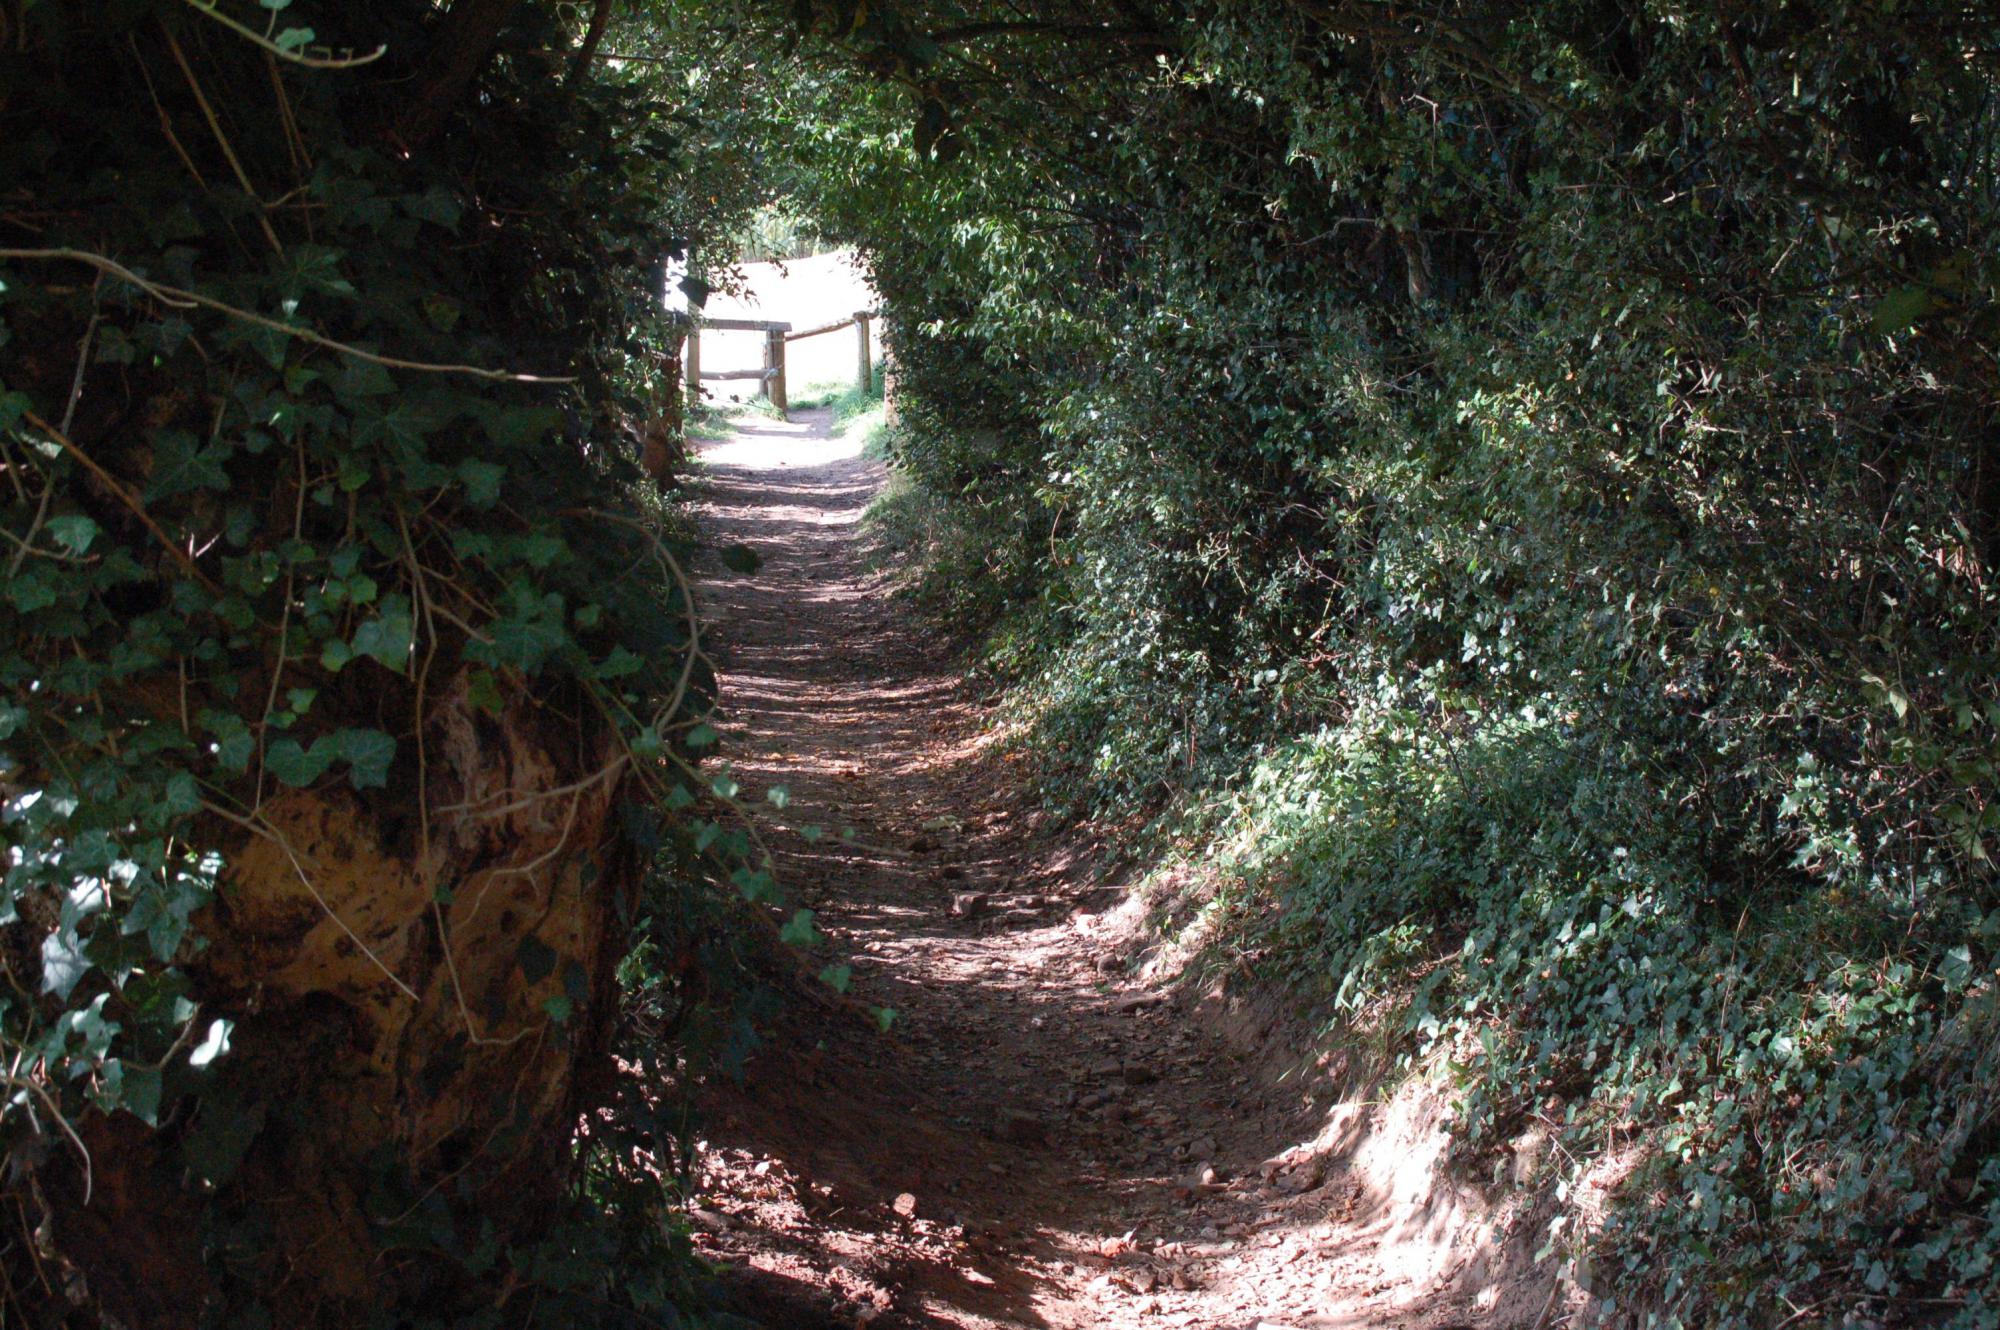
(1024, 1147)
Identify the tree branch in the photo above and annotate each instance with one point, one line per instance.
(593, 37)
(465, 41)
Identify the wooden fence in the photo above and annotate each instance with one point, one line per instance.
(771, 378)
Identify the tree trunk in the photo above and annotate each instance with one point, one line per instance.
(593, 37)
(417, 1033)
(464, 42)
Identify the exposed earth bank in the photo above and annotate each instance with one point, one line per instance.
(1050, 1133)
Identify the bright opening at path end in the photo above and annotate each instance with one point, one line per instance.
(805, 293)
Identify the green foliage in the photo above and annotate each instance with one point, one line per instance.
(778, 230)
(1530, 469)
(272, 486)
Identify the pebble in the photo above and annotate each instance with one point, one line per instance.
(1022, 1128)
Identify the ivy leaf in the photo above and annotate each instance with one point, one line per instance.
(837, 977)
(388, 636)
(756, 884)
(364, 378)
(292, 39)
(115, 348)
(368, 754)
(74, 533)
(137, 1090)
(481, 481)
(1901, 309)
(800, 931)
(234, 744)
(526, 639)
(435, 206)
(518, 426)
(541, 549)
(31, 591)
(352, 472)
(181, 462)
(214, 1045)
(181, 795)
(271, 343)
(63, 962)
(619, 663)
(482, 691)
(442, 311)
(296, 765)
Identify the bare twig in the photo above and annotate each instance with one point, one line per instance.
(260, 825)
(593, 37)
(124, 496)
(34, 1087)
(222, 139)
(680, 579)
(272, 48)
(182, 299)
(166, 121)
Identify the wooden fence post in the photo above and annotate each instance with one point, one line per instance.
(864, 360)
(691, 358)
(774, 367)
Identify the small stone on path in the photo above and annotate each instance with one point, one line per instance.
(1022, 1128)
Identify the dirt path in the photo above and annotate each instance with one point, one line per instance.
(1037, 1141)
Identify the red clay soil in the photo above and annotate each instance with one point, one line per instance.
(1037, 1141)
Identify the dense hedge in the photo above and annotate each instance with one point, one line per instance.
(349, 697)
(1534, 470)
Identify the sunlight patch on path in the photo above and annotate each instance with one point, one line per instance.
(762, 444)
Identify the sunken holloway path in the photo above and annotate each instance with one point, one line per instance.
(1025, 1147)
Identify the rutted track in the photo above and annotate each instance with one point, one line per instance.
(1026, 1146)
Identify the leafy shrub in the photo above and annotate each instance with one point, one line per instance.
(303, 579)
(1533, 465)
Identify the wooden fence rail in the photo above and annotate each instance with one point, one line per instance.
(776, 335)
